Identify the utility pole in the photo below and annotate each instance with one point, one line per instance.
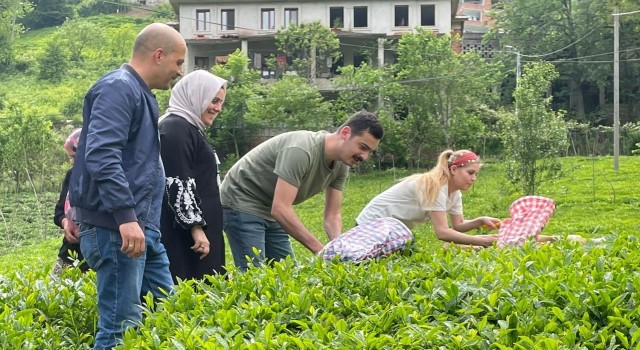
(616, 88)
(616, 83)
(518, 65)
(518, 70)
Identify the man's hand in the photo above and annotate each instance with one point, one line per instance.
(133, 242)
(201, 243)
(71, 231)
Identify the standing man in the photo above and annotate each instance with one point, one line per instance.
(259, 191)
(117, 182)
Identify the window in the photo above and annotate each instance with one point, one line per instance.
(201, 63)
(402, 16)
(290, 17)
(336, 17)
(268, 19)
(203, 20)
(428, 15)
(228, 19)
(360, 17)
(472, 15)
(475, 2)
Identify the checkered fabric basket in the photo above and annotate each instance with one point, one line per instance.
(376, 238)
(529, 215)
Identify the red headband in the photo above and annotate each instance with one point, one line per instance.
(464, 159)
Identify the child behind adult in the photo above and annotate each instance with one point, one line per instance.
(430, 196)
(70, 249)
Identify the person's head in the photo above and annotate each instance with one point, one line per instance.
(198, 97)
(360, 135)
(458, 169)
(463, 166)
(158, 55)
(71, 144)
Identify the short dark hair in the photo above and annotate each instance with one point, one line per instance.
(363, 121)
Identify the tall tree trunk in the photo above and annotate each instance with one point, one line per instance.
(576, 98)
(601, 96)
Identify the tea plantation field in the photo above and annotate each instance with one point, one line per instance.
(558, 296)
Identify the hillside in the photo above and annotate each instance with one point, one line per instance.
(105, 48)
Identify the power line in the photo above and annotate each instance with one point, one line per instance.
(625, 13)
(608, 62)
(564, 48)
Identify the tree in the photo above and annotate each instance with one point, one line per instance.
(440, 92)
(309, 45)
(47, 13)
(231, 131)
(361, 87)
(53, 62)
(11, 11)
(163, 13)
(534, 136)
(86, 8)
(79, 34)
(575, 35)
(28, 142)
(121, 41)
(291, 104)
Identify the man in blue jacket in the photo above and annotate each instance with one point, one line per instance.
(117, 182)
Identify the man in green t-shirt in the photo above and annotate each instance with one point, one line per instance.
(259, 191)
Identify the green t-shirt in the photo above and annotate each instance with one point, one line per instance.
(297, 157)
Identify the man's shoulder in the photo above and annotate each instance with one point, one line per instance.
(300, 138)
(117, 79)
(294, 135)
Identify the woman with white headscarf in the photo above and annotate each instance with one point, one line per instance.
(191, 221)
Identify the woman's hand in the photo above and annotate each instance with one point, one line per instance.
(201, 243)
(487, 240)
(489, 223)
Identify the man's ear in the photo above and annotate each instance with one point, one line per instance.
(157, 54)
(345, 132)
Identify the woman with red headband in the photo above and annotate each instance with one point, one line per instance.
(431, 196)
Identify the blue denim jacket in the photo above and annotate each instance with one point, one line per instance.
(114, 176)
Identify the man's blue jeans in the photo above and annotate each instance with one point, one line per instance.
(246, 232)
(122, 280)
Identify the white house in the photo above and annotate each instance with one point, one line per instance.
(214, 29)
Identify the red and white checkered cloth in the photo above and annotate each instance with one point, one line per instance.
(529, 215)
(376, 238)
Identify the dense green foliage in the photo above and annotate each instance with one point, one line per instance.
(555, 296)
(577, 37)
(534, 136)
(432, 98)
(309, 45)
(291, 104)
(231, 134)
(42, 102)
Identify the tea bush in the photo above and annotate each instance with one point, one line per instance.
(556, 296)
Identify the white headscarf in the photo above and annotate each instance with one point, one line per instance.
(192, 95)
